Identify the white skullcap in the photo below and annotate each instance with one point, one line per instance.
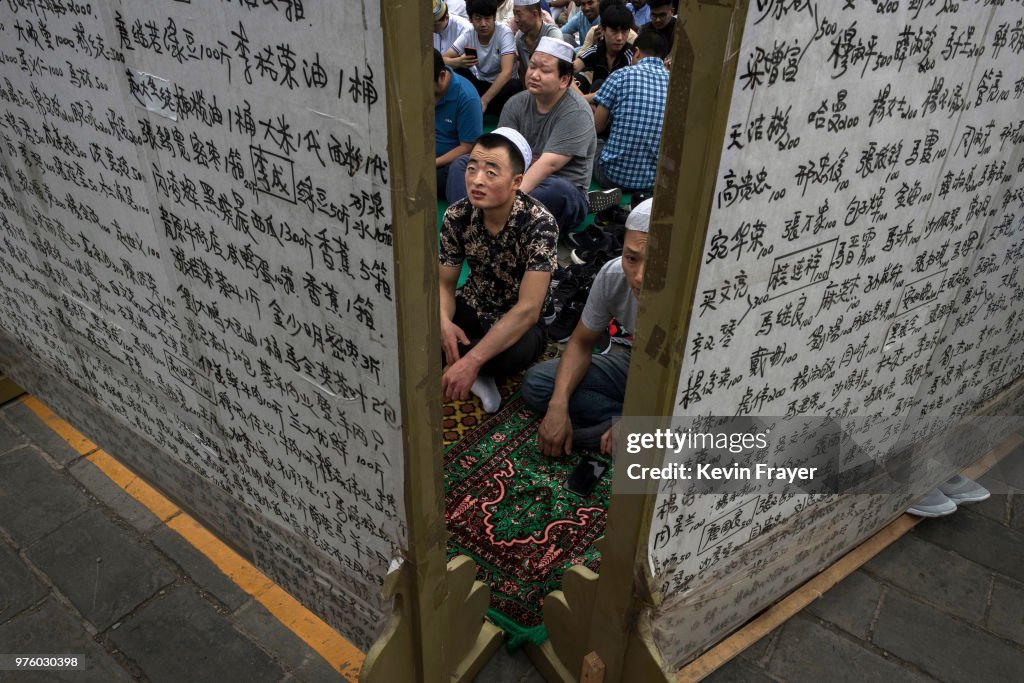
(556, 48)
(525, 3)
(517, 139)
(639, 218)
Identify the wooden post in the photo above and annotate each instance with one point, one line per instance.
(593, 669)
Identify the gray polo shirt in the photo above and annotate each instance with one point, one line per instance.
(568, 129)
(610, 297)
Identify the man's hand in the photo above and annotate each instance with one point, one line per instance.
(463, 61)
(458, 378)
(555, 434)
(608, 441)
(484, 102)
(451, 336)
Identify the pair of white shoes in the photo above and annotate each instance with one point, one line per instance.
(943, 500)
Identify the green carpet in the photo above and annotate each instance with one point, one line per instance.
(506, 508)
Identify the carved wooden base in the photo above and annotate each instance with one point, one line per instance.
(568, 615)
(470, 639)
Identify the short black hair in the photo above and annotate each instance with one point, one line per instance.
(605, 4)
(494, 141)
(654, 4)
(564, 69)
(485, 8)
(616, 16)
(438, 65)
(651, 43)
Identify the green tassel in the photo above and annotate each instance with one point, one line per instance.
(517, 634)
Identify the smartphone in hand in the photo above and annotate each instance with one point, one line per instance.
(470, 52)
(585, 477)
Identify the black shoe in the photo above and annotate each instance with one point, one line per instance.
(595, 256)
(550, 311)
(600, 200)
(617, 335)
(639, 197)
(568, 317)
(595, 239)
(613, 215)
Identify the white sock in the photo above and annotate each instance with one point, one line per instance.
(486, 390)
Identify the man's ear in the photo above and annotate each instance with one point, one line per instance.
(517, 180)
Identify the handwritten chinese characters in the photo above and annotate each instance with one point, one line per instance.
(195, 232)
(864, 258)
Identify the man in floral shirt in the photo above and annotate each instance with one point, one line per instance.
(491, 327)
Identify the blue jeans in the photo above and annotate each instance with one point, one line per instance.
(598, 397)
(564, 200)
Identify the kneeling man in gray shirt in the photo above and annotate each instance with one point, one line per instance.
(580, 393)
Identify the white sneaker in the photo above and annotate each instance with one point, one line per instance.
(934, 504)
(960, 490)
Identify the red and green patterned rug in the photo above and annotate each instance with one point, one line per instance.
(506, 508)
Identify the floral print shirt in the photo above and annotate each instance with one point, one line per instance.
(498, 263)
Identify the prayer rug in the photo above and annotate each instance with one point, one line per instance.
(507, 509)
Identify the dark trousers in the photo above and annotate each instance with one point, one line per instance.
(512, 360)
(498, 103)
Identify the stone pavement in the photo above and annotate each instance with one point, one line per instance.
(85, 569)
(943, 603)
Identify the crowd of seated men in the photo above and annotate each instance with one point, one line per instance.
(567, 118)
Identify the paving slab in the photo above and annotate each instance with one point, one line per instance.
(807, 651)
(203, 572)
(738, 671)
(35, 499)
(113, 496)
(759, 651)
(509, 668)
(996, 508)
(979, 539)
(945, 647)
(50, 629)
(19, 588)
(317, 671)
(1006, 617)
(1017, 511)
(850, 604)
(10, 438)
(264, 628)
(104, 572)
(181, 637)
(40, 434)
(935, 575)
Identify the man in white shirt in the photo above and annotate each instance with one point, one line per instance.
(447, 26)
(486, 56)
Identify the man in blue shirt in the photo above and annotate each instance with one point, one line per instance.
(641, 12)
(458, 118)
(581, 22)
(633, 98)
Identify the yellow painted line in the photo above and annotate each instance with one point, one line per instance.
(74, 437)
(342, 655)
(135, 487)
